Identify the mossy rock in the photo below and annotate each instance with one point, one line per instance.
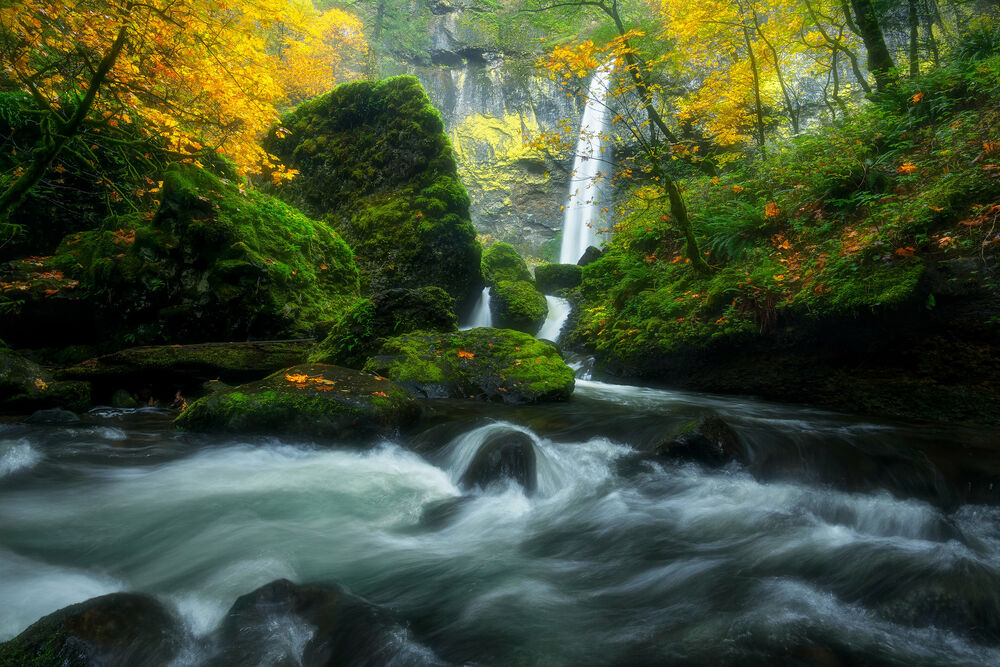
(315, 400)
(374, 162)
(215, 263)
(25, 387)
(553, 278)
(364, 327)
(501, 262)
(117, 629)
(484, 364)
(516, 304)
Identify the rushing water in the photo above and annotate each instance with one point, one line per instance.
(837, 540)
(481, 315)
(586, 188)
(554, 321)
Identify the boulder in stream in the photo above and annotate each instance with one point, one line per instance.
(516, 304)
(336, 628)
(710, 441)
(552, 278)
(121, 629)
(509, 455)
(315, 400)
(26, 387)
(485, 364)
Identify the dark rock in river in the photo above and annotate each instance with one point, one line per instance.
(360, 332)
(53, 417)
(551, 278)
(344, 629)
(310, 400)
(509, 455)
(710, 441)
(484, 364)
(26, 387)
(125, 629)
(590, 255)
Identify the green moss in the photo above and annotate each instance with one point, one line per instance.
(516, 304)
(364, 327)
(501, 262)
(486, 364)
(216, 262)
(376, 164)
(551, 278)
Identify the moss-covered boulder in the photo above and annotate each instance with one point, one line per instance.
(485, 364)
(552, 278)
(502, 262)
(215, 262)
(315, 400)
(516, 304)
(115, 630)
(374, 162)
(25, 387)
(360, 332)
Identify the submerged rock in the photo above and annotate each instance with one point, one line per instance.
(507, 456)
(309, 400)
(710, 441)
(552, 278)
(375, 163)
(516, 304)
(337, 628)
(121, 629)
(484, 364)
(53, 417)
(26, 387)
(360, 332)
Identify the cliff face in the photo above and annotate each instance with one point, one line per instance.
(491, 104)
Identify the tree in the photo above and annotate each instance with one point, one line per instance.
(195, 75)
(880, 62)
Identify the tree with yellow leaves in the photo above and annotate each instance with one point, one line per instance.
(196, 75)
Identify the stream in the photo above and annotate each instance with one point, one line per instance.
(836, 540)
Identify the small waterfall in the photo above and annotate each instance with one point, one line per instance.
(586, 189)
(481, 316)
(558, 312)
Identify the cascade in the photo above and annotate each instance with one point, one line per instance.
(586, 190)
(481, 316)
(554, 321)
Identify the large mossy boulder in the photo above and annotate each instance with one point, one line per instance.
(375, 163)
(26, 387)
(485, 364)
(502, 262)
(516, 304)
(360, 332)
(117, 630)
(315, 400)
(552, 278)
(216, 262)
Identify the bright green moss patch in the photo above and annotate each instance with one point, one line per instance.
(376, 164)
(311, 400)
(502, 262)
(516, 304)
(484, 364)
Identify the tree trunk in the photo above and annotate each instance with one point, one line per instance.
(51, 144)
(758, 105)
(914, 23)
(880, 61)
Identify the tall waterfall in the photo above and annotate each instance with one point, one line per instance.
(586, 188)
(481, 315)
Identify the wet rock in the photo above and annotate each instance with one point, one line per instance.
(26, 387)
(360, 332)
(53, 417)
(551, 278)
(483, 364)
(710, 441)
(333, 626)
(123, 399)
(316, 400)
(121, 629)
(508, 456)
(590, 255)
(517, 305)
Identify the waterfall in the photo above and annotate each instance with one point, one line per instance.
(481, 316)
(554, 321)
(586, 190)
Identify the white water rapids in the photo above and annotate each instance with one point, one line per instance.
(587, 191)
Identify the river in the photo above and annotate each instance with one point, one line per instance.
(837, 538)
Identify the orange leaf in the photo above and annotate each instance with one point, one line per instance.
(905, 252)
(462, 354)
